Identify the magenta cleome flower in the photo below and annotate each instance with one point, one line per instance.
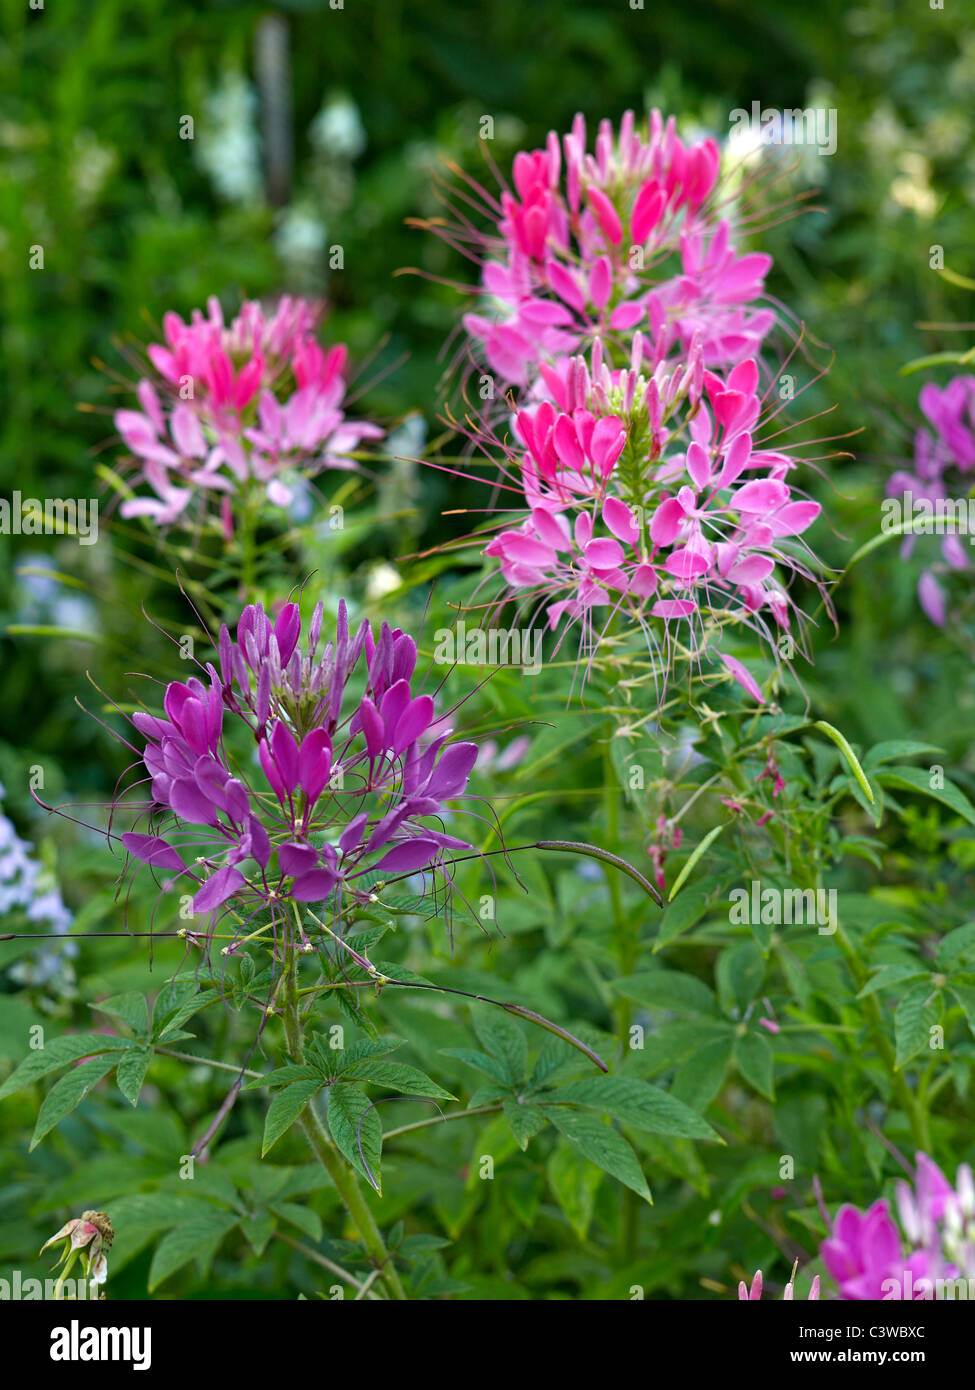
(871, 1257)
(249, 405)
(349, 772)
(596, 245)
(943, 456)
(646, 492)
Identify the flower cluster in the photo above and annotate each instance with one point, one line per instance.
(628, 325)
(941, 461)
(595, 245)
(253, 405)
(347, 767)
(871, 1258)
(26, 884)
(645, 490)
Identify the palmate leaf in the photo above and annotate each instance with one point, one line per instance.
(504, 1039)
(60, 1052)
(68, 1092)
(197, 1238)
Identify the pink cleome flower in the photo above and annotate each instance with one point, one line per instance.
(651, 495)
(941, 461)
(596, 245)
(234, 406)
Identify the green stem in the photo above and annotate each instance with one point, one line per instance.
(912, 1105)
(343, 1179)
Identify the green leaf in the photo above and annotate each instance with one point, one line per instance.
(490, 1066)
(66, 1093)
(130, 1007)
(303, 1217)
(754, 1059)
(637, 1103)
(889, 975)
(894, 748)
(524, 1118)
(173, 1021)
(848, 753)
(504, 1039)
(668, 989)
(363, 1048)
(911, 1022)
(197, 1238)
(601, 1145)
(689, 908)
(258, 1228)
(396, 1076)
(956, 945)
(917, 780)
(354, 1124)
(285, 1108)
(282, 1076)
(965, 994)
(740, 972)
(131, 1072)
(574, 1182)
(701, 1077)
(59, 1052)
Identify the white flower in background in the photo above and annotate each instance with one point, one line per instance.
(337, 131)
(227, 142)
(28, 886)
(300, 236)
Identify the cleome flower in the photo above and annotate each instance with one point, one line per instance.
(870, 1257)
(942, 460)
(595, 245)
(296, 770)
(646, 492)
(235, 408)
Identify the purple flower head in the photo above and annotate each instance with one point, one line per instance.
(300, 768)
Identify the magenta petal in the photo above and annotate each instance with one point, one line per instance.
(407, 857)
(218, 888)
(413, 722)
(314, 886)
(151, 849)
(296, 858)
(450, 776)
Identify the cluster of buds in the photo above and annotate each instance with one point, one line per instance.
(86, 1237)
(751, 1293)
(296, 771)
(253, 405)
